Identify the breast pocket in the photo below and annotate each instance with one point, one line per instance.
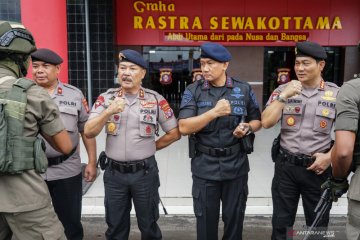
(324, 119)
(147, 124)
(69, 116)
(147, 129)
(292, 117)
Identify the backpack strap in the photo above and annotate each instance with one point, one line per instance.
(17, 100)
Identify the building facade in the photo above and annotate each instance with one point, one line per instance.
(259, 34)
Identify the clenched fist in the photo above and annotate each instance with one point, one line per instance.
(222, 108)
(116, 106)
(293, 88)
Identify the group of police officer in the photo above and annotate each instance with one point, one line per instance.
(219, 113)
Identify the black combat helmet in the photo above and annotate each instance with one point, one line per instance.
(16, 43)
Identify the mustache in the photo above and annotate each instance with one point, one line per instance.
(126, 78)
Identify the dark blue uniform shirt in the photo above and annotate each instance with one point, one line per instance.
(199, 98)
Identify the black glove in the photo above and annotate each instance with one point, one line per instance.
(338, 187)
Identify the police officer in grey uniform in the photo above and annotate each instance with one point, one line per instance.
(131, 115)
(345, 155)
(25, 204)
(219, 112)
(306, 109)
(64, 175)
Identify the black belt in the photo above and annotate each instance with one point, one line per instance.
(218, 152)
(129, 166)
(57, 160)
(296, 159)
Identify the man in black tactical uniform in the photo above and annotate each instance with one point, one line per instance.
(219, 112)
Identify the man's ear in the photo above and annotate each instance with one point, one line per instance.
(58, 68)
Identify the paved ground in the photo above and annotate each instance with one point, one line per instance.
(183, 228)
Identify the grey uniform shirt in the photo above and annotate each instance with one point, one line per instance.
(347, 119)
(131, 133)
(28, 191)
(307, 119)
(74, 112)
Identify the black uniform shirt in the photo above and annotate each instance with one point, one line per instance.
(199, 98)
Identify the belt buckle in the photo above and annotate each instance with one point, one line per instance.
(220, 152)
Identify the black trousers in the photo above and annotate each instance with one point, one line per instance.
(288, 184)
(66, 197)
(141, 187)
(207, 195)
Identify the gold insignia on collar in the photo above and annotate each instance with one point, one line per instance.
(120, 94)
(141, 93)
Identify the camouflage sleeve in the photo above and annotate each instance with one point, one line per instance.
(347, 108)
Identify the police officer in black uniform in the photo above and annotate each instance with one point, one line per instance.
(219, 113)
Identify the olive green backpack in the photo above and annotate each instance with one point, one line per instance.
(18, 153)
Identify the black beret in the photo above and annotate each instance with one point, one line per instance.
(215, 51)
(46, 55)
(310, 49)
(129, 55)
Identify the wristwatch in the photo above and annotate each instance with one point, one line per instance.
(280, 98)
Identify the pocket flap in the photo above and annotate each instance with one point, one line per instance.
(68, 110)
(325, 112)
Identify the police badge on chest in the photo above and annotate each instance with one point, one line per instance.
(147, 121)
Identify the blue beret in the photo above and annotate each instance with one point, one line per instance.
(46, 55)
(310, 49)
(215, 51)
(129, 55)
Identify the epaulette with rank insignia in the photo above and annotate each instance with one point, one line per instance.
(72, 87)
(112, 90)
(331, 84)
(151, 91)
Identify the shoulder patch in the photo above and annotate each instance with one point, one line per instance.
(151, 91)
(72, 88)
(186, 98)
(99, 101)
(112, 90)
(166, 109)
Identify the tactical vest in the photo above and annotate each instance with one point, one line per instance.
(17, 153)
